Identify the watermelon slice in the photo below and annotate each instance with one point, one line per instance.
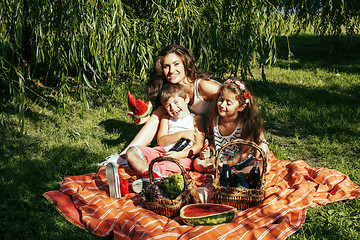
(139, 107)
(207, 214)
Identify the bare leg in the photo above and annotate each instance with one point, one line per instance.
(148, 132)
(135, 160)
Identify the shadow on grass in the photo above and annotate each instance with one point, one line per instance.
(28, 169)
(127, 131)
(319, 52)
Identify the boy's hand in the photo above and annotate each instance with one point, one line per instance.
(176, 155)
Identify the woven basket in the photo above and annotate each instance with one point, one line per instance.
(169, 207)
(240, 198)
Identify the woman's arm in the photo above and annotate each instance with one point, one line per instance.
(148, 132)
(168, 139)
(209, 89)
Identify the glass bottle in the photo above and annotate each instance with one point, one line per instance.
(254, 175)
(241, 182)
(225, 173)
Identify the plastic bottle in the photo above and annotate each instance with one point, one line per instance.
(225, 173)
(180, 145)
(254, 175)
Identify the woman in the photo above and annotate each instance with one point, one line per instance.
(176, 65)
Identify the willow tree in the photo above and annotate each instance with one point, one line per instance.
(327, 17)
(85, 43)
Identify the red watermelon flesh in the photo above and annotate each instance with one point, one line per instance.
(139, 107)
(207, 214)
(200, 210)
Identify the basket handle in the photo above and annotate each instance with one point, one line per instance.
(163, 158)
(244, 142)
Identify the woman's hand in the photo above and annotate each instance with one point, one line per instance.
(139, 121)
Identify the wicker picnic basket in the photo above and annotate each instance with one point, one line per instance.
(238, 197)
(169, 207)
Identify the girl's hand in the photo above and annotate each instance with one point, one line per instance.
(139, 121)
(205, 154)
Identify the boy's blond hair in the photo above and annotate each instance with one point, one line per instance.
(172, 90)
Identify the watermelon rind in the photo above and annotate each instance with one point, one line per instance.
(148, 111)
(211, 219)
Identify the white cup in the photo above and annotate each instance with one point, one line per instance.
(204, 194)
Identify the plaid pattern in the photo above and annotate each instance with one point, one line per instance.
(291, 187)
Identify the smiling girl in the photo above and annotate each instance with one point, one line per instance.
(237, 116)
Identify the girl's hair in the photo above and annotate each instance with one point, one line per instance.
(250, 118)
(172, 90)
(157, 78)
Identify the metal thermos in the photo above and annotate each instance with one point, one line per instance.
(180, 145)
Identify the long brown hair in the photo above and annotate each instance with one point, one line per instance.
(157, 79)
(250, 118)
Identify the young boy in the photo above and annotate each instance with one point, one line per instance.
(177, 124)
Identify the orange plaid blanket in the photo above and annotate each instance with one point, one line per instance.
(291, 187)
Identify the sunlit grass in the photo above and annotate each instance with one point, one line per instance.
(311, 112)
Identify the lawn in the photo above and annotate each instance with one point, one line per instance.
(310, 104)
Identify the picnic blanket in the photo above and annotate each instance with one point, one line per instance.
(291, 187)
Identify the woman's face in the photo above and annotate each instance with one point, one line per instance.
(173, 68)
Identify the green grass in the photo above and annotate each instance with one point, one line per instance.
(310, 104)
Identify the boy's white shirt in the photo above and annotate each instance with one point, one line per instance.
(178, 125)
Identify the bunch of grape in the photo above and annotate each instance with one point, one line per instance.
(172, 185)
(151, 191)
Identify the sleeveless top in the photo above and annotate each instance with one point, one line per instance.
(200, 106)
(178, 125)
(220, 140)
